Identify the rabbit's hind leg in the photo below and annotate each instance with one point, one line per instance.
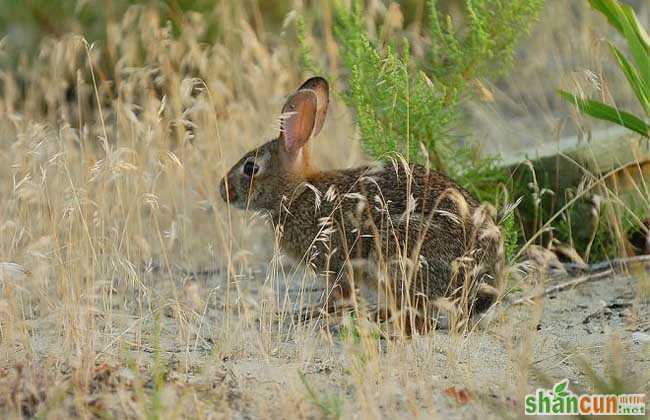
(337, 302)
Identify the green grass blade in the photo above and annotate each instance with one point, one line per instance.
(638, 84)
(605, 112)
(639, 51)
(643, 36)
(622, 17)
(611, 10)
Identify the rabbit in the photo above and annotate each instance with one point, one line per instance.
(379, 212)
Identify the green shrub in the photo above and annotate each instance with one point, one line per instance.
(412, 104)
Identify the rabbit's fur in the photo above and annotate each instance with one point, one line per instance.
(396, 216)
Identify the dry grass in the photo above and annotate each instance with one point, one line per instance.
(566, 49)
(109, 207)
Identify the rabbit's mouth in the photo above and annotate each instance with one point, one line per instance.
(228, 192)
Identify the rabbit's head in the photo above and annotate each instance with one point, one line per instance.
(263, 175)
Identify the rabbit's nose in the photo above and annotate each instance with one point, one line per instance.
(228, 194)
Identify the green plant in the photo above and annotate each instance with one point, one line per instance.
(511, 236)
(560, 389)
(484, 48)
(636, 71)
(611, 221)
(412, 104)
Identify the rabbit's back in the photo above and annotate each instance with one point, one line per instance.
(378, 212)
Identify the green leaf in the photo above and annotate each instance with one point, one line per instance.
(644, 39)
(605, 112)
(622, 17)
(632, 31)
(560, 388)
(639, 85)
(611, 10)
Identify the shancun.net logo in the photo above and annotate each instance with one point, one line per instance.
(561, 401)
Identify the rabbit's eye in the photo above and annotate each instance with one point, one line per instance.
(250, 168)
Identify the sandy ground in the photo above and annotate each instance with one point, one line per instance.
(259, 369)
(600, 325)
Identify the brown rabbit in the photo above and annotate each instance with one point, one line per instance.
(430, 235)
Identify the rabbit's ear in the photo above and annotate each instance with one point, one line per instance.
(297, 120)
(322, 91)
